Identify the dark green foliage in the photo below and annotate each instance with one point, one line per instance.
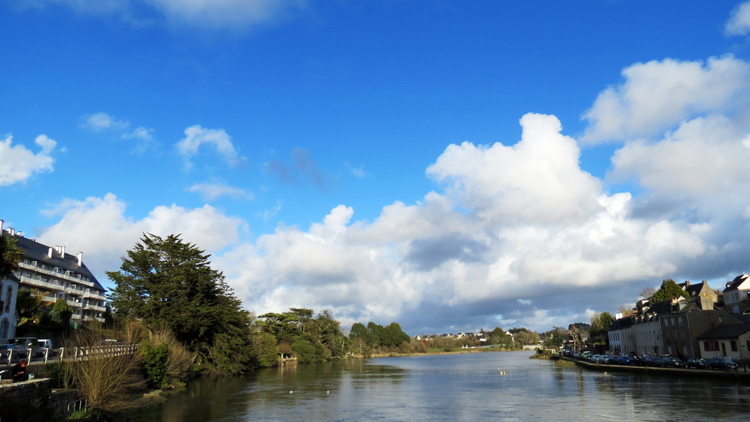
(169, 283)
(312, 338)
(498, 337)
(62, 312)
(553, 339)
(29, 304)
(669, 290)
(306, 352)
(374, 335)
(266, 348)
(155, 362)
(10, 255)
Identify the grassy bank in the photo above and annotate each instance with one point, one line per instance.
(432, 352)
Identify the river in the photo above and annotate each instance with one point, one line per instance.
(470, 387)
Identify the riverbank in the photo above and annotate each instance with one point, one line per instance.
(677, 372)
(431, 353)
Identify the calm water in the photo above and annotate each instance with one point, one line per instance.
(452, 388)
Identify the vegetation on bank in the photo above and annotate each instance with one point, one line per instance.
(187, 321)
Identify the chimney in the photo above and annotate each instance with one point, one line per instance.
(62, 252)
(49, 253)
(1, 226)
(20, 234)
(80, 259)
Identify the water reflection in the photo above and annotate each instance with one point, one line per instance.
(462, 387)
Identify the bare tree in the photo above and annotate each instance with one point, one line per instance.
(648, 292)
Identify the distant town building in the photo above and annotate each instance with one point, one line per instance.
(736, 294)
(60, 276)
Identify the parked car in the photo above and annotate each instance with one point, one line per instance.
(698, 363)
(719, 363)
(625, 360)
(672, 362)
(23, 346)
(652, 361)
(45, 345)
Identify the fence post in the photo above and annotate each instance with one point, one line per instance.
(46, 354)
(75, 353)
(10, 356)
(62, 353)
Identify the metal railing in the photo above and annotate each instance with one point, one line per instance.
(71, 353)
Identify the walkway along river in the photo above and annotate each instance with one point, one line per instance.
(504, 386)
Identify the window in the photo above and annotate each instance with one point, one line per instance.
(711, 346)
(8, 298)
(666, 322)
(733, 344)
(681, 321)
(721, 319)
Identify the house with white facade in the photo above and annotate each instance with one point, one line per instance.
(726, 340)
(8, 313)
(59, 275)
(736, 294)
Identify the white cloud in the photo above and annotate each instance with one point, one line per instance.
(703, 156)
(195, 136)
(18, 164)
(103, 122)
(226, 13)
(538, 179)
(269, 213)
(211, 191)
(99, 228)
(739, 20)
(231, 14)
(659, 94)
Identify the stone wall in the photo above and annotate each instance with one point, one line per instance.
(33, 400)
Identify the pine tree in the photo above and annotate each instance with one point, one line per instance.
(169, 283)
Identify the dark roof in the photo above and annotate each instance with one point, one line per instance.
(11, 277)
(734, 284)
(725, 332)
(36, 251)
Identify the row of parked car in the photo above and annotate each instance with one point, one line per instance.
(27, 347)
(655, 361)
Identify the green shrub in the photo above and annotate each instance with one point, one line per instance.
(155, 362)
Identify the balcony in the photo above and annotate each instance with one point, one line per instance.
(55, 274)
(96, 308)
(45, 285)
(94, 294)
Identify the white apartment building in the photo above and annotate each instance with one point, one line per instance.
(61, 276)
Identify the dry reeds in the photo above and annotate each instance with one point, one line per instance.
(110, 383)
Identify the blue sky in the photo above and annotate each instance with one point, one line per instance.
(307, 145)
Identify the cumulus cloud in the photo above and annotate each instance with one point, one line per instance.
(739, 20)
(18, 164)
(211, 191)
(195, 136)
(660, 94)
(100, 228)
(538, 179)
(230, 14)
(519, 236)
(430, 265)
(702, 156)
